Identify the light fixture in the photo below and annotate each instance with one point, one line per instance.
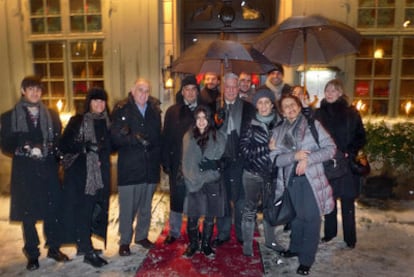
(379, 53)
(167, 77)
(407, 107)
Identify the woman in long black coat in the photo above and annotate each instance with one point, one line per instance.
(344, 124)
(85, 144)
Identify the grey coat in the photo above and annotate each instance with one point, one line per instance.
(303, 140)
(192, 156)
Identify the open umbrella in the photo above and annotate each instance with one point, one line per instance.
(307, 39)
(220, 56)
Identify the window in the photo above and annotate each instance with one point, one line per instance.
(384, 66)
(73, 62)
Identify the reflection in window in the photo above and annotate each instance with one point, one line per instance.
(45, 16)
(376, 13)
(85, 16)
(249, 12)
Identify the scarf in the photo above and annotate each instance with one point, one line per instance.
(265, 119)
(41, 116)
(93, 171)
(291, 133)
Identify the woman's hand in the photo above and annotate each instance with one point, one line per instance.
(301, 167)
(272, 144)
(302, 155)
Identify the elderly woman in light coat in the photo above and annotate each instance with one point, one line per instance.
(299, 159)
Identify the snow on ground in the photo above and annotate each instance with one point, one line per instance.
(385, 246)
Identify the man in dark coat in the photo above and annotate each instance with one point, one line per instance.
(136, 134)
(29, 134)
(178, 119)
(210, 94)
(238, 113)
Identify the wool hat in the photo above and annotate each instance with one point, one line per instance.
(276, 67)
(189, 80)
(263, 92)
(97, 93)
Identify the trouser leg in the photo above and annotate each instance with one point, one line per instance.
(144, 211)
(175, 222)
(84, 223)
(31, 239)
(348, 220)
(127, 212)
(331, 224)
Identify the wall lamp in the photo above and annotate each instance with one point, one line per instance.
(167, 77)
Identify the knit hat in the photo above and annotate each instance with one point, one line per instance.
(263, 92)
(189, 80)
(276, 67)
(96, 93)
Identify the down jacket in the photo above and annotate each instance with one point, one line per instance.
(303, 140)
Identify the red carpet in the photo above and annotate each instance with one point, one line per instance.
(167, 260)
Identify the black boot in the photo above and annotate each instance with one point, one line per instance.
(192, 232)
(207, 233)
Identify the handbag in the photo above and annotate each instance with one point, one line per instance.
(279, 212)
(360, 165)
(336, 167)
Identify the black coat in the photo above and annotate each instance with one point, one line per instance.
(178, 119)
(345, 126)
(75, 178)
(139, 160)
(35, 188)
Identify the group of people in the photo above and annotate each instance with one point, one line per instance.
(220, 149)
(75, 206)
(267, 144)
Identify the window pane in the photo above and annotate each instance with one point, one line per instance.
(94, 23)
(39, 51)
(57, 89)
(381, 88)
(56, 70)
(408, 47)
(382, 67)
(96, 69)
(95, 50)
(36, 7)
(94, 6)
(80, 88)
(45, 16)
(407, 88)
(78, 50)
(53, 25)
(407, 68)
(79, 69)
(362, 88)
(406, 108)
(386, 17)
(366, 18)
(366, 48)
(363, 67)
(40, 69)
(55, 51)
(76, 6)
(38, 25)
(77, 24)
(379, 107)
(386, 46)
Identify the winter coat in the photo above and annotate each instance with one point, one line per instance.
(75, 177)
(178, 119)
(254, 146)
(345, 126)
(200, 182)
(303, 140)
(137, 139)
(35, 186)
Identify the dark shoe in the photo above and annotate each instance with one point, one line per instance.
(32, 264)
(350, 245)
(207, 250)
(275, 246)
(124, 250)
(169, 239)
(94, 260)
(219, 242)
(82, 253)
(191, 250)
(57, 255)
(303, 270)
(288, 254)
(145, 243)
(326, 239)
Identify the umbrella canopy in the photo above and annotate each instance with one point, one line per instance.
(221, 56)
(307, 39)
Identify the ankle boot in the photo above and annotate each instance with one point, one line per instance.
(207, 233)
(247, 231)
(192, 232)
